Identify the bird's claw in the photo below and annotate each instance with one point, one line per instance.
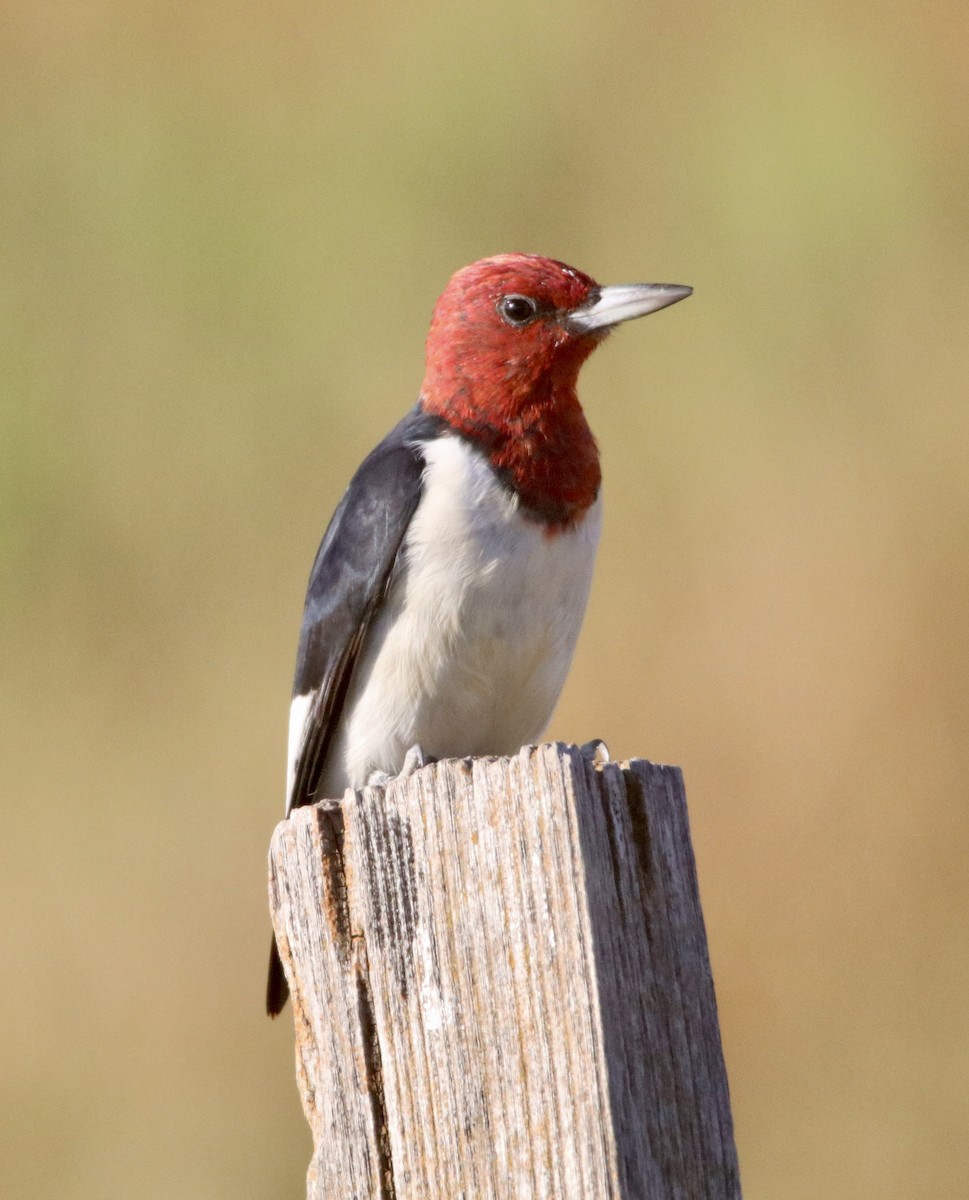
(414, 759)
(596, 751)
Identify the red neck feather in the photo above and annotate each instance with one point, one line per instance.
(524, 414)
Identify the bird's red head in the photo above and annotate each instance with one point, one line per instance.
(506, 342)
(498, 344)
(502, 369)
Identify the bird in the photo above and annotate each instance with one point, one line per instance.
(446, 597)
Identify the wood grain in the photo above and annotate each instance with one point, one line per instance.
(501, 986)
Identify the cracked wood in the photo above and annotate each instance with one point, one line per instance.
(501, 986)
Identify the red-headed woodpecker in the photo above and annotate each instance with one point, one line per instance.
(446, 598)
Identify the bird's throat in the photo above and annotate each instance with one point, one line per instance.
(540, 446)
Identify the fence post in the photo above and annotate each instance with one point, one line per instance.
(501, 986)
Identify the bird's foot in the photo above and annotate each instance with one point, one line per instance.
(596, 751)
(414, 759)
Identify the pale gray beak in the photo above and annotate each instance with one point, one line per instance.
(624, 302)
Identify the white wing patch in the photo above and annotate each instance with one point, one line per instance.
(297, 725)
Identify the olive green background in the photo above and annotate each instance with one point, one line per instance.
(222, 231)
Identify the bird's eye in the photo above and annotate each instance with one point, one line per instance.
(517, 310)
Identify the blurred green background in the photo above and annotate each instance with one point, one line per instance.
(222, 231)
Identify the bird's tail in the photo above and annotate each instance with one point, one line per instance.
(277, 989)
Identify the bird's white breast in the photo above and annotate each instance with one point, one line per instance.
(475, 638)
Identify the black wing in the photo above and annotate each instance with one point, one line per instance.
(351, 574)
(353, 569)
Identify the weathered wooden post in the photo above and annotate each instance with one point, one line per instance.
(501, 986)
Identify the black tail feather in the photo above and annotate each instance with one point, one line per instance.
(277, 989)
